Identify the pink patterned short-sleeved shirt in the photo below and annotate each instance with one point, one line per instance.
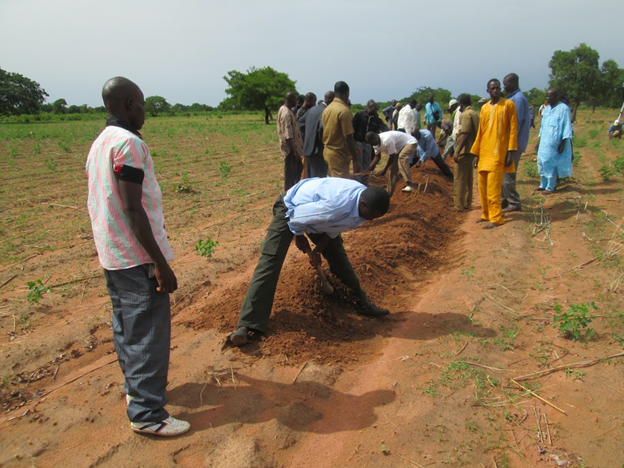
(117, 247)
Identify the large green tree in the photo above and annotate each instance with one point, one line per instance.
(156, 105)
(258, 89)
(578, 74)
(19, 95)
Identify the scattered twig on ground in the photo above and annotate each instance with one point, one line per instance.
(537, 396)
(575, 365)
(540, 436)
(548, 429)
(426, 185)
(8, 281)
(77, 280)
(21, 261)
(201, 400)
(55, 372)
(500, 304)
(408, 460)
(65, 206)
(486, 367)
(10, 315)
(300, 371)
(232, 375)
(461, 350)
(603, 433)
(477, 304)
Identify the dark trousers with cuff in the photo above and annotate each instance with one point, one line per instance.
(509, 194)
(258, 302)
(293, 166)
(444, 169)
(142, 335)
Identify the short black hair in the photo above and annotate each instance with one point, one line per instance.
(341, 88)
(377, 199)
(464, 99)
(413, 102)
(369, 136)
(496, 80)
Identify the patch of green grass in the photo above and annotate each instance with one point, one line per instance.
(574, 322)
(506, 341)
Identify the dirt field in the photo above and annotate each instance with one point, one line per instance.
(468, 370)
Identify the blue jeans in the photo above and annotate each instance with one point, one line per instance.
(142, 334)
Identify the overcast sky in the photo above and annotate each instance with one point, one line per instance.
(181, 49)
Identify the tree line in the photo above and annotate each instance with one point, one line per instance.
(576, 73)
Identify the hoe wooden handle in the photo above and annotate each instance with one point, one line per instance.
(325, 284)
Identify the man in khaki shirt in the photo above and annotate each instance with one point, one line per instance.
(291, 141)
(340, 148)
(464, 172)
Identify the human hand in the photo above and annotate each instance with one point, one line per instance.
(302, 244)
(166, 278)
(508, 159)
(561, 146)
(315, 259)
(475, 162)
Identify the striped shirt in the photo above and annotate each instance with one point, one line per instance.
(117, 247)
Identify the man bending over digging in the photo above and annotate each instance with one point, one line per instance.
(320, 208)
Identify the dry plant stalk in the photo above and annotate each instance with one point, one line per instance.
(537, 396)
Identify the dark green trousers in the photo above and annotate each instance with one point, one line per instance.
(256, 308)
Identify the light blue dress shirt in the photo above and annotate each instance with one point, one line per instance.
(524, 118)
(324, 205)
(429, 110)
(428, 145)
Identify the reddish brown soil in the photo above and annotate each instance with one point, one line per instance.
(388, 254)
(427, 386)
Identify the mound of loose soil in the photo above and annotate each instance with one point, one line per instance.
(306, 324)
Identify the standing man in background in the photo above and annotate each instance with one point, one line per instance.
(493, 148)
(433, 115)
(309, 101)
(340, 149)
(313, 141)
(467, 133)
(366, 121)
(416, 111)
(388, 111)
(125, 207)
(510, 199)
(291, 141)
(406, 117)
(554, 146)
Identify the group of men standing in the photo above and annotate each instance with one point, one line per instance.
(125, 207)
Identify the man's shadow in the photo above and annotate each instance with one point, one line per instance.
(304, 406)
(350, 327)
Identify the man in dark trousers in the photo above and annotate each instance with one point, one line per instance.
(321, 209)
(125, 207)
(366, 121)
(313, 141)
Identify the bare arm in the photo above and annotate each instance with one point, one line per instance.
(131, 194)
(391, 158)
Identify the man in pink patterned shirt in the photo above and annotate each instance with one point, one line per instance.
(125, 207)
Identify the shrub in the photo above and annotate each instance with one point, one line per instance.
(575, 320)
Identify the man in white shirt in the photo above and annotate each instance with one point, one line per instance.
(399, 147)
(321, 209)
(406, 117)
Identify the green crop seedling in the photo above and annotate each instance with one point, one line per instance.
(575, 320)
